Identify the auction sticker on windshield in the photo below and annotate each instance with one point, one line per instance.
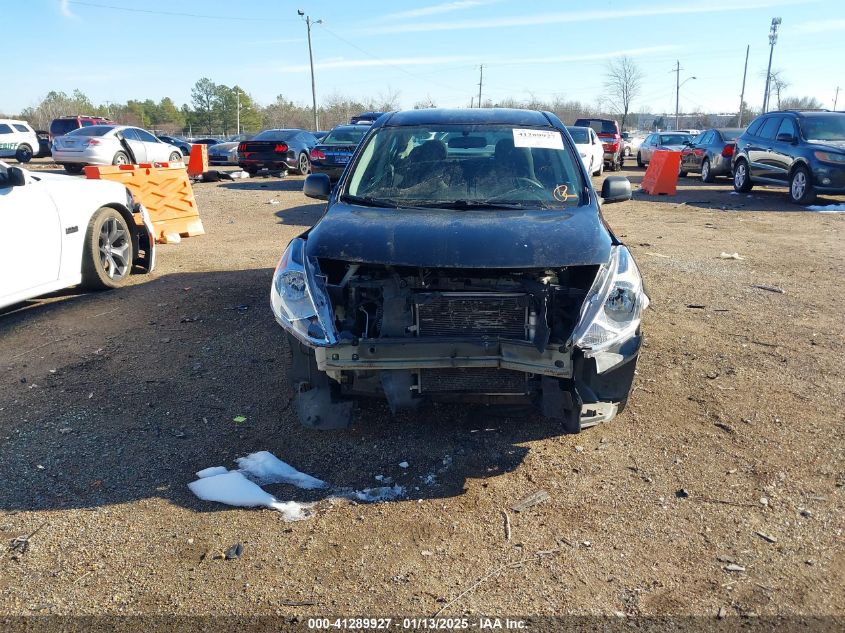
(547, 139)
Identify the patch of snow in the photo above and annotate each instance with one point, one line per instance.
(827, 208)
(213, 470)
(233, 489)
(374, 495)
(403, 464)
(266, 468)
(734, 193)
(430, 479)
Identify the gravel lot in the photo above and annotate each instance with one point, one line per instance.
(110, 402)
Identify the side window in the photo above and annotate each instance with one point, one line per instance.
(131, 134)
(754, 128)
(706, 138)
(5, 129)
(21, 128)
(770, 127)
(145, 136)
(86, 122)
(787, 127)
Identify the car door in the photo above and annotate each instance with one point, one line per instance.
(30, 238)
(647, 147)
(783, 148)
(139, 148)
(596, 147)
(698, 150)
(760, 150)
(156, 150)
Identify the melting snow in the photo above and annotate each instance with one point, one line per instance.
(233, 489)
(214, 470)
(266, 468)
(828, 208)
(385, 493)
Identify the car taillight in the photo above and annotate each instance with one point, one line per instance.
(92, 141)
(280, 148)
(728, 150)
(241, 147)
(318, 154)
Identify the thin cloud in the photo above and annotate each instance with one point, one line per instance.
(64, 7)
(820, 26)
(364, 63)
(436, 9)
(583, 16)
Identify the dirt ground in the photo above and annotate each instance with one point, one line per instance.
(729, 455)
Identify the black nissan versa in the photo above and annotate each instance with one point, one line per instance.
(463, 257)
(801, 150)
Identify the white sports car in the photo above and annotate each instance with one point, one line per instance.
(59, 231)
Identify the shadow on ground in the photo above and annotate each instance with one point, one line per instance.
(114, 397)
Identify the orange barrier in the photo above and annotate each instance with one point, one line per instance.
(661, 177)
(198, 162)
(165, 191)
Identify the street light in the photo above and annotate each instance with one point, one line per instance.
(678, 96)
(773, 38)
(308, 23)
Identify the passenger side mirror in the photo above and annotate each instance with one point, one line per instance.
(317, 186)
(786, 137)
(615, 189)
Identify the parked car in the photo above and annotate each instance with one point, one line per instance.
(691, 132)
(286, 150)
(320, 134)
(803, 150)
(110, 145)
(226, 153)
(589, 148)
(87, 231)
(183, 145)
(365, 117)
(611, 137)
(631, 142)
(206, 141)
(710, 153)
(18, 140)
(672, 141)
(43, 143)
(332, 154)
(65, 124)
(441, 274)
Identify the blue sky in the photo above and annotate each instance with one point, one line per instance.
(420, 49)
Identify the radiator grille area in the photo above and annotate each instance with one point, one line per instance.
(478, 380)
(461, 314)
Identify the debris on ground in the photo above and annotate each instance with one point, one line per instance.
(233, 489)
(769, 288)
(531, 500)
(383, 493)
(20, 544)
(234, 552)
(239, 419)
(683, 493)
(265, 468)
(724, 255)
(766, 537)
(658, 255)
(273, 201)
(734, 567)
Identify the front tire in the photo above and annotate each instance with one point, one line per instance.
(640, 162)
(600, 170)
(175, 157)
(107, 254)
(120, 159)
(24, 153)
(304, 164)
(742, 179)
(706, 174)
(73, 168)
(801, 189)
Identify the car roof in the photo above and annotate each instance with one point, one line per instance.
(436, 116)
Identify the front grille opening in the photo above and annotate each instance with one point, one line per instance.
(503, 315)
(476, 380)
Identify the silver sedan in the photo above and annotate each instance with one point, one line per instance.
(111, 145)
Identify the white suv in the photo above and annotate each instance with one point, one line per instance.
(17, 140)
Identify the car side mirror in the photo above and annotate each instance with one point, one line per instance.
(615, 189)
(15, 177)
(786, 137)
(317, 186)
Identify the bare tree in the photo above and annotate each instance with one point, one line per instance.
(800, 103)
(778, 85)
(623, 82)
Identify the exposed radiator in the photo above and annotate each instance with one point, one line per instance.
(476, 314)
(477, 380)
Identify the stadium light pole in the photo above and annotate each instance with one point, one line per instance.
(308, 24)
(678, 91)
(773, 38)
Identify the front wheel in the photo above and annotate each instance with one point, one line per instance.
(742, 180)
(24, 153)
(801, 189)
(120, 159)
(600, 170)
(107, 256)
(640, 162)
(304, 164)
(175, 157)
(73, 168)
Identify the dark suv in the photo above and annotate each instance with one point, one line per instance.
(611, 140)
(800, 149)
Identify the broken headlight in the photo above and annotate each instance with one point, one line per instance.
(611, 312)
(298, 303)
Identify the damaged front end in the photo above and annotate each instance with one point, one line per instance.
(564, 339)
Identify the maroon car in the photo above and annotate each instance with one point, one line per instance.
(611, 139)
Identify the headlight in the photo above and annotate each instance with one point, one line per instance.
(612, 309)
(298, 301)
(830, 157)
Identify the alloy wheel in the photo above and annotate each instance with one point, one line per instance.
(114, 249)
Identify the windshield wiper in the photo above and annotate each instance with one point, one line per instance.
(466, 205)
(369, 202)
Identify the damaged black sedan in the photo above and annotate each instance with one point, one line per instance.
(462, 257)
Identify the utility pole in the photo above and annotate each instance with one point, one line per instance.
(238, 113)
(742, 94)
(677, 90)
(480, 82)
(773, 37)
(308, 24)
(836, 98)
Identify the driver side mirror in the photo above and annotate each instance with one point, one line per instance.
(786, 137)
(317, 186)
(615, 189)
(13, 177)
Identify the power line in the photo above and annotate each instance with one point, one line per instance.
(98, 5)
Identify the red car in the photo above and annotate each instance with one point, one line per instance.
(611, 139)
(65, 124)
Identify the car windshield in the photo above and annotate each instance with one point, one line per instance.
(344, 136)
(579, 135)
(830, 127)
(674, 139)
(600, 126)
(274, 135)
(94, 130)
(465, 167)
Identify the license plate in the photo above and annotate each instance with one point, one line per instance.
(341, 159)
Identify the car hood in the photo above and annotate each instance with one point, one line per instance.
(222, 148)
(60, 182)
(461, 239)
(822, 145)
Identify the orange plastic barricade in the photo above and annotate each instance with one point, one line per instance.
(661, 177)
(165, 191)
(198, 162)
